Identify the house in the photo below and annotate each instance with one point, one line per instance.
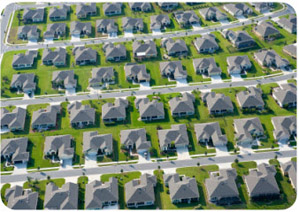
(217, 103)
(206, 44)
(270, 59)
(285, 95)
(206, 66)
(33, 15)
(159, 22)
(85, 56)
(112, 8)
(140, 192)
(285, 128)
(14, 150)
(266, 31)
(175, 48)
(55, 31)
(251, 99)
(210, 133)
(262, 7)
(173, 70)
(59, 148)
(64, 79)
(45, 118)
(80, 29)
(290, 169)
(289, 24)
(221, 187)
(81, 115)
(182, 106)
(145, 49)
(140, 6)
(14, 120)
(107, 26)
(23, 82)
(18, 198)
(186, 18)
(115, 52)
(149, 110)
(247, 130)
(102, 76)
(64, 198)
(238, 64)
(168, 6)
(176, 137)
(59, 14)
(86, 10)
(183, 190)
(261, 183)
(97, 145)
(239, 39)
(99, 195)
(28, 32)
(21, 61)
(212, 14)
(239, 9)
(135, 139)
(136, 73)
(132, 24)
(291, 50)
(56, 57)
(170, 177)
(115, 112)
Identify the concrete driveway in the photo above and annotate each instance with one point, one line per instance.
(216, 79)
(75, 38)
(90, 161)
(183, 153)
(67, 164)
(48, 40)
(143, 159)
(32, 42)
(221, 151)
(241, 18)
(196, 26)
(128, 34)
(145, 86)
(181, 83)
(224, 22)
(20, 168)
(156, 32)
(236, 77)
(112, 35)
(70, 92)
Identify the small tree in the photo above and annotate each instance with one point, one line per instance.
(236, 160)
(48, 178)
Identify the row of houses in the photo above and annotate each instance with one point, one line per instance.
(221, 189)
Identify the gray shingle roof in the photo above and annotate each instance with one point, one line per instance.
(45, 116)
(112, 50)
(168, 4)
(207, 64)
(211, 13)
(64, 198)
(14, 119)
(270, 57)
(144, 48)
(246, 128)
(84, 9)
(102, 74)
(173, 46)
(173, 69)
(217, 101)
(116, 110)
(210, 131)
(187, 17)
(129, 23)
(238, 38)
(182, 104)
(237, 62)
(67, 77)
(29, 31)
(266, 29)
(135, 137)
(56, 56)
(157, 21)
(206, 42)
(77, 26)
(19, 199)
(92, 141)
(291, 50)
(286, 93)
(60, 144)
(149, 108)
(54, 29)
(59, 12)
(177, 134)
(236, 8)
(112, 7)
(108, 24)
(289, 23)
(284, 126)
(81, 113)
(16, 148)
(290, 169)
(26, 81)
(23, 59)
(97, 193)
(143, 6)
(252, 97)
(82, 53)
(133, 70)
(30, 14)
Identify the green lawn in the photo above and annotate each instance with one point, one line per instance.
(82, 181)
(3, 189)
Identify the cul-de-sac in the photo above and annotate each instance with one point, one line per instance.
(148, 105)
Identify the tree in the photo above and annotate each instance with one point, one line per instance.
(38, 168)
(159, 167)
(198, 164)
(236, 160)
(48, 178)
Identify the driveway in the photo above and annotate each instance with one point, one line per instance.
(90, 161)
(221, 151)
(183, 153)
(75, 38)
(181, 83)
(241, 18)
(157, 32)
(236, 77)
(70, 92)
(20, 168)
(216, 79)
(224, 22)
(32, 42)
(26, 96)
(143, 159)
(67, 164)
(145, 86)
(196, 26)
(112, 35)
(48, 40)
(128, 34)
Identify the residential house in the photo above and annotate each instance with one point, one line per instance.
(217, 103)
(262, 7)
(33, 15)
(21, 61)
(64, 79)
(28, 32)
(206, 66)
(146, 49)
(247, 130)
(97, 145)
(239, 9)
(239, 39)
(285, 95)
(112, 9)
(135, 139)
(140, 192)
(210, 133)
(176, 137)
(186, 18)
(55, 31)
(222, 188)
(18, 198)
(56, 57)
(212, 14)
(59, 14)
(238, 64)
(59, 148)
(115, 112)
(251, 99)
(206, 44)
(81, 115)
(132, 24)
(136, 73)
(270, 59)
(266, 31)
(159, 22)
(64, 198)
(261, 183)
(168, 6)
(289, 24)
(86, 10)
(173, 70)
(23, 82)
(14, 120)
(291, 50)
(80, 29)
(140, 6)
(14, 150)
(107, 26)
(182, 106)
(115, 52)
(285, 128)
(99, 195)
(149, 110)
(85, 56)
(289, 169)
(175, 48)
(45, 118)
(102, 76)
